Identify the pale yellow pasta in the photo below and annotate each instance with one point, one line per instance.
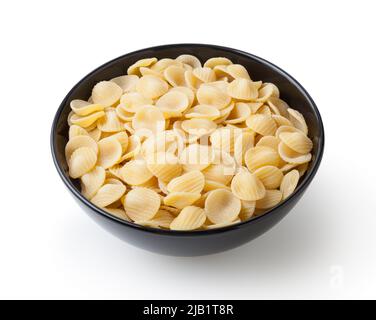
(135, 68)
(212, 62)
(126, 83)
(84, 108)
(270, 176)
(221, 206)
(135, 172)
(291, 156)
(164, 165)
(141, 204)
(175, 76)
(203, 111)
(108, 194)
(209, 94)
(172, 104)
(110, 151)
(298, 120)
(180, 200)
(180, 144)
(79, 142)
(270, 200)
(289, 183)
(262, 124)
(86, 121)
(151, 87)
(239, 113)
(243, 89)
(189, 59)
(75, 131)
(198, 127)
(247, 210)
(261, 156)
(118, 213)
(196, 157)
(296, 141)
(81, 161)
(243, 143)
(190, 218)
(246, 186)
(149, 120)
(106, 93)
(92, 181)
(192, 182)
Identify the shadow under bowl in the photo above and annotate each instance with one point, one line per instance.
(190, 243)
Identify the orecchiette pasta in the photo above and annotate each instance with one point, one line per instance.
(182, 144)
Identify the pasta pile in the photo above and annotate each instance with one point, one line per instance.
(178, 145)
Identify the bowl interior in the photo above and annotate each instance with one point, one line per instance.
(259, 69)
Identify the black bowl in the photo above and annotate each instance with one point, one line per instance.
(191, 243)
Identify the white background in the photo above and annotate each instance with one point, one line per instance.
(325, 248)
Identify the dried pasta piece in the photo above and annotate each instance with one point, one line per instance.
(271, 199)
(175, 76)
(135, 68)
(81, 161)
(122, 137)
(262, 124)
(211, 185)
(247, 210)
(198, 127)
(95, 134)
(297, 141)
(298, 120)
(211, 95)
(224, 138)
(243, 143)
(203, 111)
(187, 91)
(84, 108)
(243, 89)
(108, 194)
(181, 200)
(165, 141)
(189, 59)
(266, 91)
(239, 113)
(289, 183)
(135, 172)
(213, 62)
(92, 181)
(221, 225)
(246, 186)
(86, 121)
(237, 71)
(141, 204)
(221, 206)
(270, 176)
(269, 141)
(196, 157)
(118, 213)
(127, 83)
(149, 120)
(79, 142)
(282, 129)
(289, 155)
(261, 156)
(190, 218)
(224, 113)
(191, 80)
(172, 104)
(192, 182)
(110, 122)
(110, 151)
(162, 219)
(134, 101)
(205, 75)
(278, 106)
(75, 131)
(164, 165)
(152, 87)
(106, 93)
(133, 149)
(164, 63)
(218, 173)
(281, 121)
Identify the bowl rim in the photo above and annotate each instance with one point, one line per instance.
(301, 187)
